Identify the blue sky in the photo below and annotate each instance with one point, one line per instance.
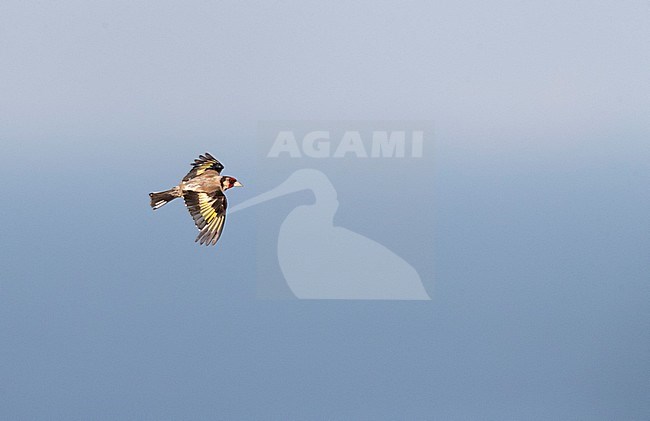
(526, 218)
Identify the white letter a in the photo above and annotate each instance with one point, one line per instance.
(284, 142)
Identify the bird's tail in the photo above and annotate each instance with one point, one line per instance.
(162, 198)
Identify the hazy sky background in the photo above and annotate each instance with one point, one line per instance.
(527, 220)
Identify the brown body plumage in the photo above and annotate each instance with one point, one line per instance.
(202, 189)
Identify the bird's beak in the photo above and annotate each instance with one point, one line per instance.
(238, 184)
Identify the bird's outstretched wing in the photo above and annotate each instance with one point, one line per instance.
(209, 214)
(203, 163)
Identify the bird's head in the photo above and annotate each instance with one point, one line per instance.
(228, 182)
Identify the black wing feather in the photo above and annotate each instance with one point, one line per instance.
(209, 214)
(203, 163)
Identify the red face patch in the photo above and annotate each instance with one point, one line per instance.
(228, 182)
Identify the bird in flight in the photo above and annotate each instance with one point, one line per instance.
(202, 189)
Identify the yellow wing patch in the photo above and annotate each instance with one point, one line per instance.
(209, 214)
(202, 164)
